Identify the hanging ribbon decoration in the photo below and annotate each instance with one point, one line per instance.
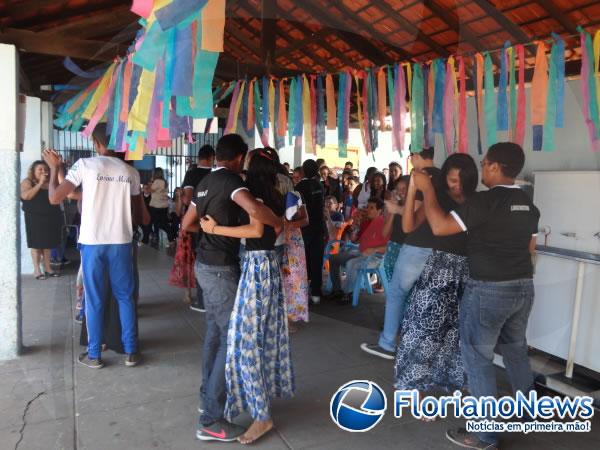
(479, 99)
(382, 97)
(513, 92)
(490, 105)
(307, 111)
(292, 110)
(331, 109)
(283, 125)
(596, 66)
(251, 117)
(438, 101)
(502, 111)
(342, 108)
(539, 90)
(359, 106)
(449, 97)
(400, 105)
(429, 136)
(555, 90)
(588, 90)
(320, 112)
(233, 111)
(416, 116)
(463, 131)
(521, 112)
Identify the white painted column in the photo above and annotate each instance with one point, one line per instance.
(10, 260)
(32, 151)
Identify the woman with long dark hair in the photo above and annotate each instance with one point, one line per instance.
(428, 356)
(378, 186)
(395, 174)
(43, 221)
(258, 363)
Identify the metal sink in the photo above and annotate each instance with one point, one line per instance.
(592, 258)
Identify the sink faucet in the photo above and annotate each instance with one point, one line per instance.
(569, 234)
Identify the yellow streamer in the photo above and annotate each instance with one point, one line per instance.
(140, 111)
(307, 111)
(102, 87)
(213, 25)
(137, 154)
(238, 104)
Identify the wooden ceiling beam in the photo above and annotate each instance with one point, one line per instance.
(332, 50)
(356, 42)
(316, 58)
(560, 16)
(408, 26)
(32, 42)
(514, 30)
(115, 18)
(309, 38)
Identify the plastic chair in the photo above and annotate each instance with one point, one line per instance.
(364, 272)
(333, 248)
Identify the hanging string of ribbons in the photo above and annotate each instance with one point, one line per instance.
(154, 94)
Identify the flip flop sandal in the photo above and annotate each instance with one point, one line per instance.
(41, 277)
(53, 274)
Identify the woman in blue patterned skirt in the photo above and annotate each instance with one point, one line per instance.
(428, 355)
(258, 364)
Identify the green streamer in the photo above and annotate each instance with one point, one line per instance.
(489, 105)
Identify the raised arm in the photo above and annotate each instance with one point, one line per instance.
(257, 210)
(56, 192)
(442, 224)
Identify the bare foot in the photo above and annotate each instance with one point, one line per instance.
(257, 430)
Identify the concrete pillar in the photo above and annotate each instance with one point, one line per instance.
(10, 260)
(32, 151)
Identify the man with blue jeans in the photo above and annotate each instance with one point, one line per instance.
(111, 199)
(221, 195)
(409, 265)
(501, 224)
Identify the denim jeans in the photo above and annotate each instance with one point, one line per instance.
(495, 315)
(335, 266)
(219, 287)
(409, 265)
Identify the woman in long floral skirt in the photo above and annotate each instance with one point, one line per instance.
(295, 280)
(258, 364)
(428, 355)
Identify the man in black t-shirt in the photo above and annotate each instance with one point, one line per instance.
(221, 195)
(501, 225)
(206, 158)
(314, 234)
(410, 263)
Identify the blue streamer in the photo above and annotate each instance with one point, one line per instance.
(559, 62)
(502, 112)
(265, 103)
(320, 111)
(76, 70)
(438, 98)
(178, 11)
(183, 70)
(299, 122)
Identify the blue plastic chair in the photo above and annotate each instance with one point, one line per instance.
(344, 245)
(362, 278)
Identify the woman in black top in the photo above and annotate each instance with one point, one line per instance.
(43, 221)
(394, 208)
(428, 355)
(258, 363)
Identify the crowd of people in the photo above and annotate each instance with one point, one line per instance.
(457, 270)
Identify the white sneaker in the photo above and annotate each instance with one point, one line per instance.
(315, 299)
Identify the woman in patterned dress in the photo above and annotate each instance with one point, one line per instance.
(258, 364)
(428, 355)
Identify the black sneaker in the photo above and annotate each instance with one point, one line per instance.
(375, 349)
(89, 362)
(221, 430)
(132, 359)
(463, 438)
(197, 307)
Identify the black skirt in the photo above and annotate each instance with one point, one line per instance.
(43, 230)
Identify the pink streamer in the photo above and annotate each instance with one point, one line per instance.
(142, 8)
(230, 125)
(520, 130)
(102, 105)
(585, 93)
